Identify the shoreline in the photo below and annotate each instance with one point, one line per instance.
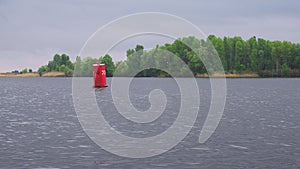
(34, 74)
(19, 75)
(203, 75)
(229, 75)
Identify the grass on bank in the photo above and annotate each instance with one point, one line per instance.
(34, 74)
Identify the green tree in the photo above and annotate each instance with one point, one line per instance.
(286, 70)
(86, 66)
(68, 72)
(227, 53)
(62, 68)
(268, 58)
(24, 71)
(78, 66)
(42, 70)
(239, 53)
(134, 58)
(59, 63)
(121, 68)
(220, 48)
(276, 53)
(110, 67)
(64, 59)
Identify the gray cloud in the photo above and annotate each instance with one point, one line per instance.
(32, 31)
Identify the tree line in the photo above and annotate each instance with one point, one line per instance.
(265, 57)
(62, 63)
(255, 55)
(268, 58)
(83, 67)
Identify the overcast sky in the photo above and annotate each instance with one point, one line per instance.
(32, 31)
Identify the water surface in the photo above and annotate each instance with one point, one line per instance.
(259, 127)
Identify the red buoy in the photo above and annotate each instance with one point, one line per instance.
(99, 75)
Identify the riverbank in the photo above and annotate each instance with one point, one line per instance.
(229, 75)
(19, 75)
(54, 74)
(34, 74)
(202, 75)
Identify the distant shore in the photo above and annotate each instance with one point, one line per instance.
(19, 75)
(202, 75)
(230, 75)
(62, 74)
(34, 74)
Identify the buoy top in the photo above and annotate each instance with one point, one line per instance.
(98, 64)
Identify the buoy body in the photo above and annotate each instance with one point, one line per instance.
(99, 72)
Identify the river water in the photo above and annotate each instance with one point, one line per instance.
(259, 127)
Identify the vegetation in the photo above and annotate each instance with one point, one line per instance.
(267, 58)
(60, 63)
(110, 66)
(24, 71)
(84, 67)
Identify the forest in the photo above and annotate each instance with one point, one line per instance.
(62, 63)
(268, 58)
(255, 55)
